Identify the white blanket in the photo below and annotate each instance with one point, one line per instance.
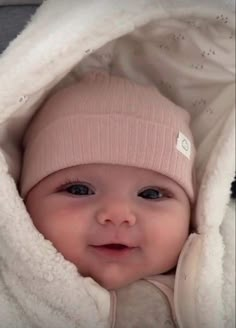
(187, 51)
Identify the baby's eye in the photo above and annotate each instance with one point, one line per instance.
(152, 194)
(79, 189)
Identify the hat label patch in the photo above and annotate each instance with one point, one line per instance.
(183, 145)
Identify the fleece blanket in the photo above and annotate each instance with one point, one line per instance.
(186, 49)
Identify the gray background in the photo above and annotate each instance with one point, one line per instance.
(13, 19)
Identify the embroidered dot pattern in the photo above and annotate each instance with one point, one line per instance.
(23, 99)
(198, 105)
(197, 60)
(199, 102)
(209, 110)
(168, 43)
(178, 36)
(197, 66)
(164, 46)
(208, 53)
(223, 19)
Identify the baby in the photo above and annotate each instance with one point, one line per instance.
(108, 178)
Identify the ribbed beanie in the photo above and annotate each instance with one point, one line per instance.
(110, 120)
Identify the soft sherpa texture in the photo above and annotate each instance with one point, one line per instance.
(187, 51)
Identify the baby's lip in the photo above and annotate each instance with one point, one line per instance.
(114, 246)
(118, 251)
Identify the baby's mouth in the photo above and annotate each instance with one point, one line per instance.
(114, 250)
(113, 246)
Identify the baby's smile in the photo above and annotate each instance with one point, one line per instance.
(115, 248)
(116, 223)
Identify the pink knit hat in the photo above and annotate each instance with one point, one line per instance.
(109, 119)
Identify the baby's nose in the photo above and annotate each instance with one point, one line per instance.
(116, 215)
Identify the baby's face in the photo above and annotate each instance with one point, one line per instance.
(117, 224)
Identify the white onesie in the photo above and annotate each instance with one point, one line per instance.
(146, 303)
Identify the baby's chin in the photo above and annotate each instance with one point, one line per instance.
(113, 283)
(114, 278)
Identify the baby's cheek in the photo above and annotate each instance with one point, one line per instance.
(165, 243)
